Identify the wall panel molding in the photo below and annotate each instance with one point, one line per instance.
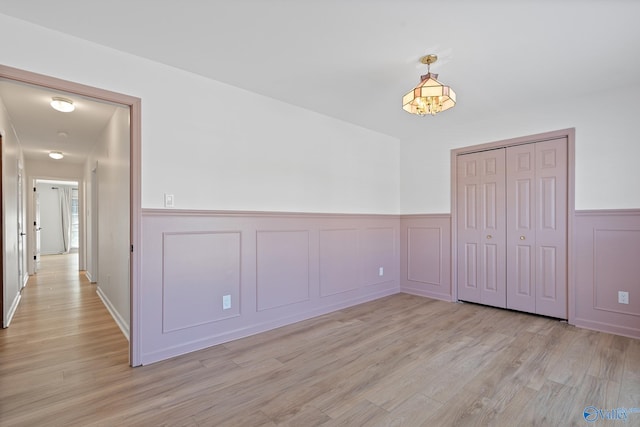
(278, 268)
(344, 254)
(338, 273)
(282, 268)
(426, 255)
(198, 269)
(607, 244)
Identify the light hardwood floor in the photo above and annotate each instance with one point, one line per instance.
(398, 361)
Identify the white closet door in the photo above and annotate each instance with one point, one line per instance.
(481, 227)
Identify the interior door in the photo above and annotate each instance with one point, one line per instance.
(21, 232)
(482, 227)
(36, 231)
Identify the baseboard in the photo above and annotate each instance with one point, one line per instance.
(427, 294)
(13, 308)
(608, 328)
(114, 313)
(89, 278)
(200, 344)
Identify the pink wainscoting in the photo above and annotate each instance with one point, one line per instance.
(276, 269)
(607, 260)
(425, 256)
(280, 268)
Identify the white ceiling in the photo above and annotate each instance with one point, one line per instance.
(354, 59)
(42, 129)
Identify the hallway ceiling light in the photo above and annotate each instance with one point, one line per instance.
(62, 104)
(57, 155)
(430, 96)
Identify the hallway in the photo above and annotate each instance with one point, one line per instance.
(60, 340)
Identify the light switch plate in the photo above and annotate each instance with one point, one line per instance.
(168, 200)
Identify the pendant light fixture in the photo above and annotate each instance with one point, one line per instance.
(430, 96)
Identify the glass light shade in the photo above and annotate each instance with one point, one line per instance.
(62, 104)
(429, 97)
(57, 155)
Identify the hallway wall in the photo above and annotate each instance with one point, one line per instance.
(12, 159)
(111, 159)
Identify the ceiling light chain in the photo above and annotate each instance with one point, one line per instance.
(429, 96)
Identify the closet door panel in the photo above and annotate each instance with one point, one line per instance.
(551, 228)
(468, 227)
(493, 260)
(521, 234)
(481, 228)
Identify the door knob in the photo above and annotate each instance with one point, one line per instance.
(522, 237)
(23, 234)
(489, 236)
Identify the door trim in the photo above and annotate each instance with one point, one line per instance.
(563, 133)
(135, 129)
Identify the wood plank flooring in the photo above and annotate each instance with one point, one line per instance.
(398, 361)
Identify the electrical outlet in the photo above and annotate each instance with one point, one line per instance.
(381, 271)
(226, 302)
(623, 297)
(168, 200)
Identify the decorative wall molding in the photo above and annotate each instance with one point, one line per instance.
(426, 255)
(278, 268)
(261, 214)
(204, 265)
(282, 268)
(607, 245)
(329, 262)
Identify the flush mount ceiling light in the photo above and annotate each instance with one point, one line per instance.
(430, 96)
(62, 104)
(57, 155)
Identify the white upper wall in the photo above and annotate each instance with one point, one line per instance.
(214, 146)
(48, 169)
(607, 149)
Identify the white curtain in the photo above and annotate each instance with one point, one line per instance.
(64, 194)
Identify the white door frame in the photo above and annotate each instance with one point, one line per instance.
(571, 161)
(135, 105)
